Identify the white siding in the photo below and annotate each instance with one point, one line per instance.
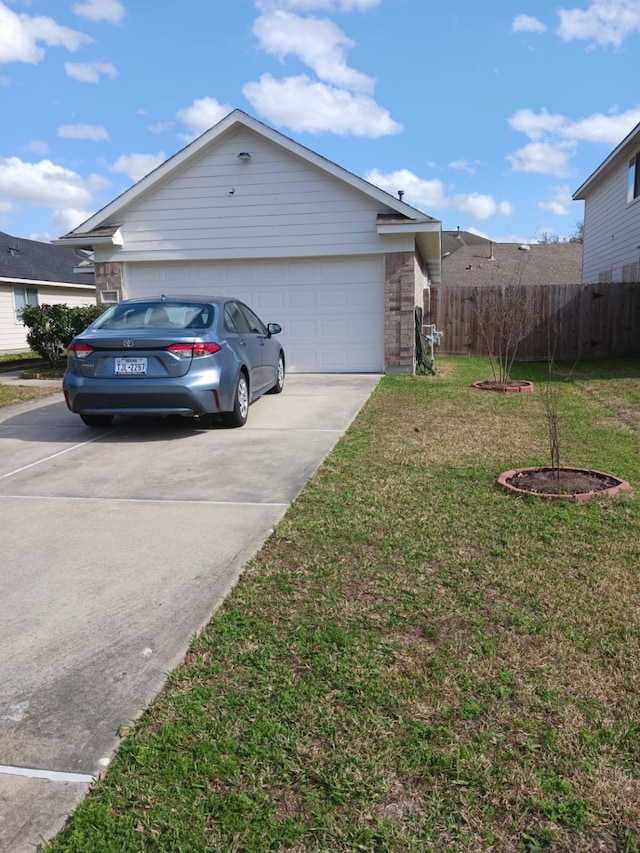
(331, 310)
(611, 228)
(13, 335)
(274, 206)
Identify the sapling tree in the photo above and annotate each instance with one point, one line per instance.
(503, 323)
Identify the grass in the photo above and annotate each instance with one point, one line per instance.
(10, 394)
(416, 660)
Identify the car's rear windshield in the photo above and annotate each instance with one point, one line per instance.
(157, 315)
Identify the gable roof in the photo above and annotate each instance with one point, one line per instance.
(102, 228)
(488, 263)
(32, 261)
(628, 145)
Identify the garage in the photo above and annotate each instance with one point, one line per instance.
(331, 310)
(247, 212)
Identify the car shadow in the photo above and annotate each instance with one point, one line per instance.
(46, 422)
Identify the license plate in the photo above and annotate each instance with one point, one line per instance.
(129, 366)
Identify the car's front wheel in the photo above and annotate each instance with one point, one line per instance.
(238, 416)
(96, 420)
(277, 388)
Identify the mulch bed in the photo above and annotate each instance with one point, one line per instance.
(517, 386)
(565, 482)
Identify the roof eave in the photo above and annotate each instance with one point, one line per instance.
(618, 151)
(427, 233)
(45, 283)
(87, 240)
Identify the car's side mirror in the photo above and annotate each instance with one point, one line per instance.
(274, 329)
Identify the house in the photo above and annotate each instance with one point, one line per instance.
(472, 260)
(247, 212)
(34, 273)
(611, 196)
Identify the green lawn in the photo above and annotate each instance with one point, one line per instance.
(416, 660)
(10, 394)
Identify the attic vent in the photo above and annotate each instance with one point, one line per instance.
(13, 250)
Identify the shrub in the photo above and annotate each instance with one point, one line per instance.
(51, 327)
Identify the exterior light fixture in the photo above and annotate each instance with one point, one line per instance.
(244, 156)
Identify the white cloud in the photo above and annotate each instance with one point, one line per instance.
(431, 195)
(45, 184)
(160, 126)
(604, 22)
(560, 203)
(310, 107)
(21, 35)
(527, 24)
(464, 165)
(93, 132)
(481, 206)
(319, 43)
(38, 146)
(610, 129)
(425, 195)
(136, 166)
(90, 72)
(202, 114)
(111, 11)
(555, 138)
(598, 127)
(66, 219)
(536, 125)
(543, 158)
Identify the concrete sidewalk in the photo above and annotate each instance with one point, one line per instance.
(119, 545)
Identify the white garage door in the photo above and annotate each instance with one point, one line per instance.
(331, 311)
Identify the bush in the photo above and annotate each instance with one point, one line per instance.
(51, 327)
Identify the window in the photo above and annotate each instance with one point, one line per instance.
(143, 315)
(23, 296)
(234, 319)
(633, 187)
(255, 324)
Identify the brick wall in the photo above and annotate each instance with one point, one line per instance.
(108, 279)
(400, 294)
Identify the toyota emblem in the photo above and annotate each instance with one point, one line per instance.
(128, 343)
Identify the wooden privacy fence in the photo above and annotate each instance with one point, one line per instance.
(575, 320)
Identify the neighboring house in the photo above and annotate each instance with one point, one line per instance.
(34, 273)
(247, 212)
(470, 259)
(611, 198)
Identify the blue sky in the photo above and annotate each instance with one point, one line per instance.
(488, 115)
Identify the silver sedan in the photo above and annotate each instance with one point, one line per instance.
(193, 356)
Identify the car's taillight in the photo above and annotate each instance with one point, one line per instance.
(79, 350)
(196, 350)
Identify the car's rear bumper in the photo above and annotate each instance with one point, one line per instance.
(130, 396)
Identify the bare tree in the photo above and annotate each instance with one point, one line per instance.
(503, 323)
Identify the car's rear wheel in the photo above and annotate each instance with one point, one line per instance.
(96, 420)
(238, 417)
(277, 388)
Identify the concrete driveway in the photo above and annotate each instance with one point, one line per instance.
(117, 547)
